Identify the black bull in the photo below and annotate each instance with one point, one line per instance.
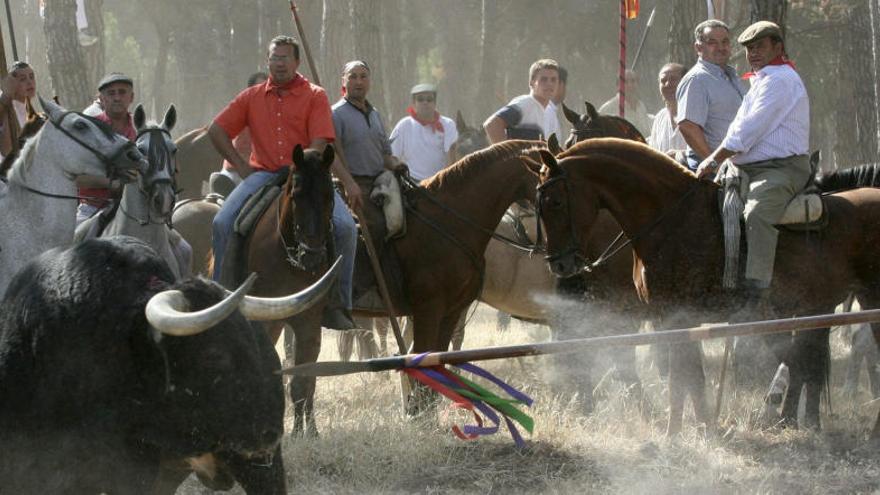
(92, 397)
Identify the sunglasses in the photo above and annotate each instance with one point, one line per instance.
(425, 99)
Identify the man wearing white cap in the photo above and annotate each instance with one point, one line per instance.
(424, 139)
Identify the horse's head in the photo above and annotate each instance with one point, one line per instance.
(470, 139)
(309, 191)
(593, 125)
(156, 180)
(95, 149)
(564, 216)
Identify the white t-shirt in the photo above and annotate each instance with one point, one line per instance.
(551, 122)
(664, 136)
(421, 147)
(526, 118)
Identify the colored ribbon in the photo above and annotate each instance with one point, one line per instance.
(466, 394)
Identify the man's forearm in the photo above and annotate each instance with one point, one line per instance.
(495, 128)
(695, 138)
(223, 144)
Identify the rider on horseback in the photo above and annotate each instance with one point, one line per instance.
(769, 140)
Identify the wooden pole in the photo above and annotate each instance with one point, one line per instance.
(3, 63)
(330, 368)
(305, 44)
(621, 69)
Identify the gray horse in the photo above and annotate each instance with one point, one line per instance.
(39, 203)
(145, 208)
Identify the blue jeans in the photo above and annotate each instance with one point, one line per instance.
(344, 229)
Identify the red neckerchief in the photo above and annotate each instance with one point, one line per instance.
(435, 123)
(780, 60)
(271, 85)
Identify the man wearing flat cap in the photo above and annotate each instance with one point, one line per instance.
(115, 95)
(423, 139)
(768, 140)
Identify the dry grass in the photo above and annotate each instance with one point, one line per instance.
(366, 445)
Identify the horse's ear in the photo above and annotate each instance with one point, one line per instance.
(460, 124)
(298, 156)
(170, 118)
(531, 164)
(56, 100)
(140, 117)
(549, 160)
(329, 155)
(553, 144)
(52, 109)
(591, 110)
(570, 115)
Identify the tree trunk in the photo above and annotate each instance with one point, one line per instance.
(485, 102)
(365, 16)
(335, 46)
(67, 68)
(874, 11)
(769, 10)
(396, 89)
(686, 14)
(94, 54)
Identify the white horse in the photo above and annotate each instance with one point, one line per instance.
(39, 205)
(145, 208)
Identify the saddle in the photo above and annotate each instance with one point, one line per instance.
(804, 213)
(234, 270)
(384, 228)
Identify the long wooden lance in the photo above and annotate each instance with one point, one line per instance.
(305, 44)
(332, 368)
(644, 38)
(3, 64)
(11, 33)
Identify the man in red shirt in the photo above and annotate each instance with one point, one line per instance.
(284, 111)
(115, 95)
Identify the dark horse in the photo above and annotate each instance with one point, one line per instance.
(674, 222)
(593, 125)
(288, 252)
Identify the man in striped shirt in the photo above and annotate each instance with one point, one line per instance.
(768, 139)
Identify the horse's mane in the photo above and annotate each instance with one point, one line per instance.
(851, 178)
(463, 171)
(652, 158)
(24, 160)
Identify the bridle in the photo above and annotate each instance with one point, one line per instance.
(108, 161)
(573, 248)
(298, 250)
(147, 191)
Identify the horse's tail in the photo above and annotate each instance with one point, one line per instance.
(867, 175)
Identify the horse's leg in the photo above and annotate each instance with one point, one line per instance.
(367, 348)
(307, 330)
(815, 365)
(345, 340)
(458, 331)
(425, 335)
(686, 377)
(502, 321)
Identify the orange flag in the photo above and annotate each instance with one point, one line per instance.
(632, 9)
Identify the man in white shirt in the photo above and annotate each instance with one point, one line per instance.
(423, 140)
(551, 113)
(665, 135)
(635, 110)
(525, 117)
(768, 139)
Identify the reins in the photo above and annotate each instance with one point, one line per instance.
(614, 248)
(412, 185)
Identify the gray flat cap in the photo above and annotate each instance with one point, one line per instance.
(758, 30)
(423, 88)
(114, 77)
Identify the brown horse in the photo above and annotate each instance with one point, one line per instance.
(593, 125)
(288, 250)
(449, 223)
(196, 159)
(674, 223)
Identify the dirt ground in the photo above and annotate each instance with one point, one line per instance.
(366, 445)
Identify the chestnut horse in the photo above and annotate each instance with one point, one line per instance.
(674, 223)
(288, 252)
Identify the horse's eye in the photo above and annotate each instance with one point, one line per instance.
(80, 125)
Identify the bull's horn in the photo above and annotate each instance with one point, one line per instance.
(168, 311)
(270, 309)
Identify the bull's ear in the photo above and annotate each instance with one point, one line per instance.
(170, 118)
(298, 156)
(553, 144)
(328, 156)
(591, 110)
(460, 124)
(570, 115)
(549, 160)
(140, 117)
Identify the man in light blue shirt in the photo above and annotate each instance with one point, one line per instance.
(710, 93)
